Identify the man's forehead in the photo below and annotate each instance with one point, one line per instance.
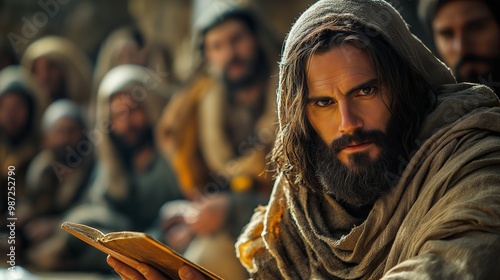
(460, 11)
(121, 99)
(229, 26)
(340, 66)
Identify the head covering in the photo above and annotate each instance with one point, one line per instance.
(382, 19)
(76, 64)
(427, 9)
(145, 87)
(127, 45)
(61, 109)
(209, 14)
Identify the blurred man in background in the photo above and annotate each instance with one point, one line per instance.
(467, 37)
(58, 176)
(132, 180)
(225, 121)
(21, 104)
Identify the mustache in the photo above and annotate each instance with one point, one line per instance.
(236, 61)
(358, 136)
(469, 58)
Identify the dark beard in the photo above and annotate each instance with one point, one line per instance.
(59, 153)
(255, 66)
(472, 76)
(126, 150)
(361, 182)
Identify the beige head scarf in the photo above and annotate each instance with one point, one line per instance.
(76, 64)
(146, 88)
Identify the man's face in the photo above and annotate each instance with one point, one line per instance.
(347, 109)
(467, 37)
(128, 119)
(344, 97)
(66, 132)
(231, 50)
(50, 75)
(13, 114)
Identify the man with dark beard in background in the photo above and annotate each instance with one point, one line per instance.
(467, 37)
(217, 133)
(132, 179)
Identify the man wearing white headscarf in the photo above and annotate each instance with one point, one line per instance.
(58, 176)
(132, 179)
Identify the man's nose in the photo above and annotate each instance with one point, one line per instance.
(349, 119)
(462, 44)
(228, 53)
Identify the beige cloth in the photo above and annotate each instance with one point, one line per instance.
(234, 144)
(442, 218)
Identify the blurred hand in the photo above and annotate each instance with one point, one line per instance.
(211, 214)
(147, 272)
(178, 236)
(40, 229)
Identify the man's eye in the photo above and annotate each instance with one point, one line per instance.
(323, 103)
(367, 91)
(446, 34)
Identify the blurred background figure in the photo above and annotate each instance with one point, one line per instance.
(127, 45)
(58, 176)
(132, 180)
(21, 104)
(60, 67)
(225, 120)
(467, 37)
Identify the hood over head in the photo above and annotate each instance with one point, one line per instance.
(60, 109)
(427, 9)
(146, 88)
(380, 18)
(376, 18)
(76, 64)
(209, 14)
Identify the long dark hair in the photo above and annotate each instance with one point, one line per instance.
(411, 97)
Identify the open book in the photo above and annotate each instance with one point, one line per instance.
(135, 247)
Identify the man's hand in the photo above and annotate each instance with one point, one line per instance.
(211, 214)
(146, 272)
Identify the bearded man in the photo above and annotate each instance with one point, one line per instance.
(466, 34)
(386, 167)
